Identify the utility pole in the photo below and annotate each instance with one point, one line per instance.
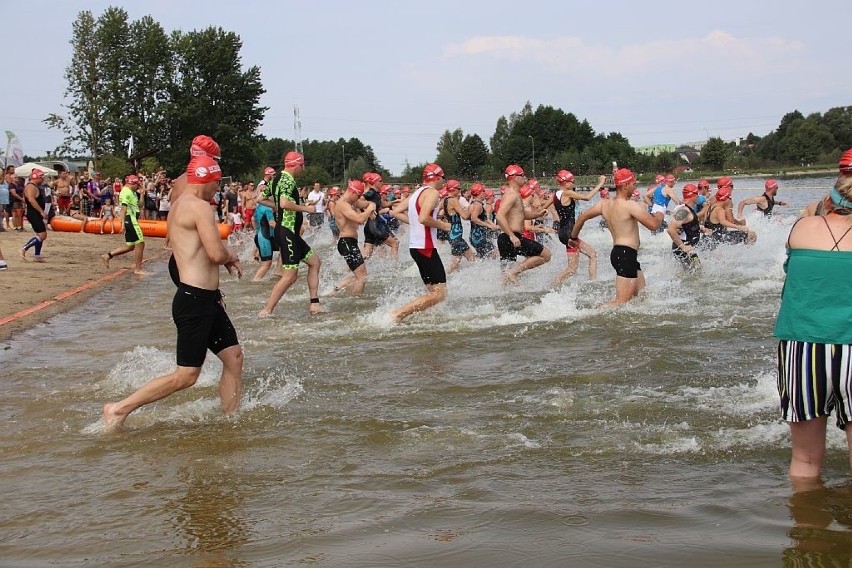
(533, 149)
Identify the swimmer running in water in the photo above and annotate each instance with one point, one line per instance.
(198, 308)
(348, 220)
(420, 211)
(623, 216)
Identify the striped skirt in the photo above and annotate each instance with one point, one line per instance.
(813, 380)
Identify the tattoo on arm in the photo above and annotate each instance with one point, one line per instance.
(681, 215)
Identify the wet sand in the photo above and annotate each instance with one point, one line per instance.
(72, 260)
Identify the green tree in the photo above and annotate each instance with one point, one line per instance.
(210, 94)
(714, 153)
(86, 121)
(498, 143)
(807, 139)
(838, 120)
(472, 157)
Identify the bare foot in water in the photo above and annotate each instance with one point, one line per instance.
(24, 255)
(264, 314)
(140, 272)
(315, 309)
(112, 419)
(105, 258)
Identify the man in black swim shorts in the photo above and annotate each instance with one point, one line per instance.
(197, 309)
(623, 216)
(510, 218)
(348, 220)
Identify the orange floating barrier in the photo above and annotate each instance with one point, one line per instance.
(93, 226)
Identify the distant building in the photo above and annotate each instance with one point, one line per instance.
(656, 150)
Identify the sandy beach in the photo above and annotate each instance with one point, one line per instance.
(73, 261)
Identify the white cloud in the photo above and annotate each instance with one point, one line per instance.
(717, 54)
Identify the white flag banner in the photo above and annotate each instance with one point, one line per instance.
(14, 150)
(130, 147)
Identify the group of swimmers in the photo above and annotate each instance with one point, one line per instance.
(517, 223)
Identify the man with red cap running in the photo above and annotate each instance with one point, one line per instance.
(510, 217)
(134, 241)
(348, 220)
(623, 216)
(765, 203)
(282, 195)
(198, 309)
(420, 211)
(685, 229)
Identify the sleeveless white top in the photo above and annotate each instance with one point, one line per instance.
(420, 236)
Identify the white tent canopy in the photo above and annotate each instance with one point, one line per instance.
(27, 169)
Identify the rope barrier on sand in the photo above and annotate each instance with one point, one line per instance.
(68, 293)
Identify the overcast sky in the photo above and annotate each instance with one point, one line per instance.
(396, 74)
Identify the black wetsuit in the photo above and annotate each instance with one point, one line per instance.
(690, 234)
(770, 204)
(567, 217)
(376, 231)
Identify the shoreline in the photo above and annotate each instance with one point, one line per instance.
(74, 272)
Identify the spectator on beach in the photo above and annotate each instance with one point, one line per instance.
(16, 198)
(107, 216)
(63, 193)
(93, 189)
(164, 201)
(317, 198)
(5, 207)
(151, 205)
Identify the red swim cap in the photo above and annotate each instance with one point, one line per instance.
(293, 159)
(356, 187)
(526, 190)
(703, 184)
(690, 191)
(489, 193)
(534, 185)
(770, 184)
(604, 193)
(623, 177)
(452, 185)
(432, 171)
(845, 163)
(269, 172)
(371, 178)
(203, 145)
(131, 179)
(384, 189)
(477, 189)
(513, 170)
(443, 193)
(36, 174)
(202, 170)
(724, 181)
(723, 193)
(564, 176)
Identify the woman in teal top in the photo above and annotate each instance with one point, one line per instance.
(814, 328)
